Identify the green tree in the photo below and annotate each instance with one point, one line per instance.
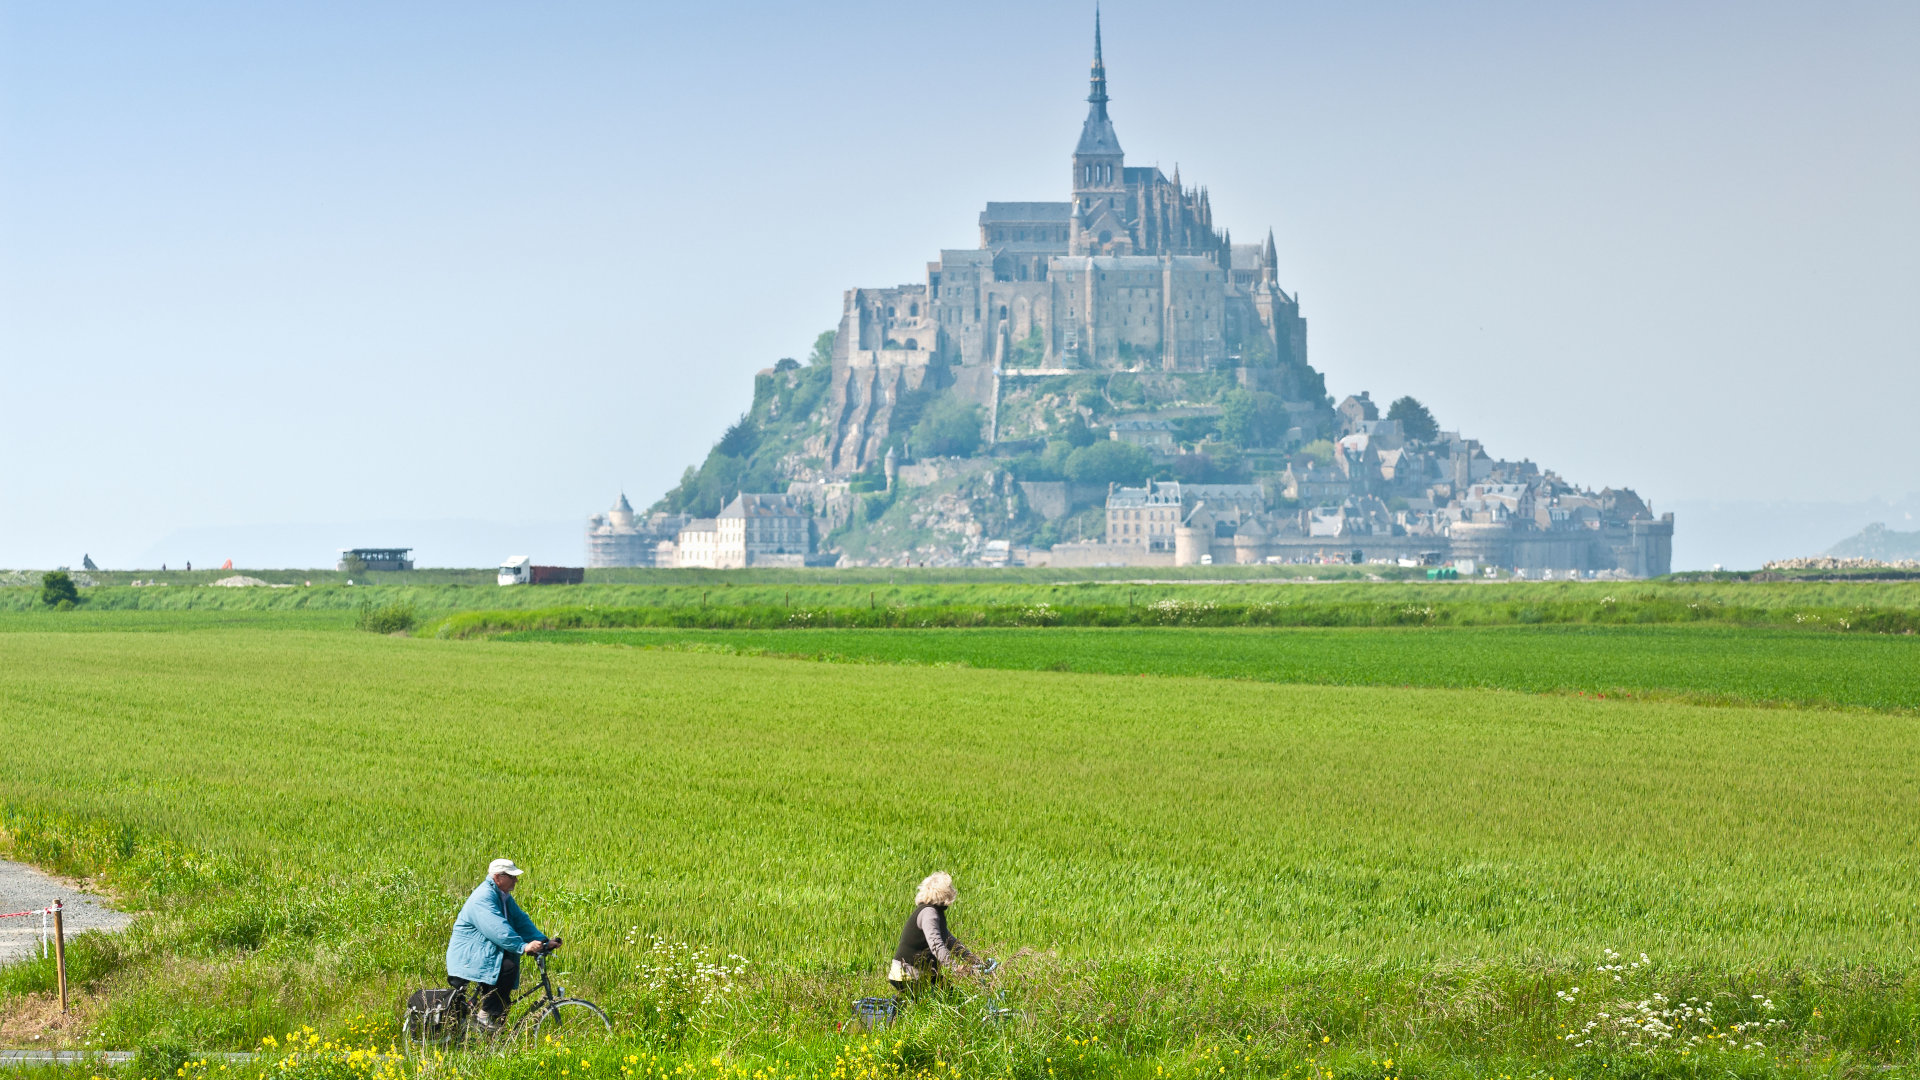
(1109, 462)
(57, 590)
(1068, 425)
(1252, 418)
(949, 427)
(822, 353)
(1193, 429)
(740, 439)
(1415, 421)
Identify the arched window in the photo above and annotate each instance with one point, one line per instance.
(913, 311)
(889, 311)
(912, 344)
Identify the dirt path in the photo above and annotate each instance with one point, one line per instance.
(22, 888)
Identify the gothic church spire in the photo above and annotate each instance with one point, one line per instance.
(1097, 135)
(1098, 96)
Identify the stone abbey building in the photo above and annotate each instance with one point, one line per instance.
(1128, 274)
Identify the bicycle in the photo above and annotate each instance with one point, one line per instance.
(438, 1020)
(877, 1012)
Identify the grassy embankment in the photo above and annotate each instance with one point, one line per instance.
(1214, 873)
(830, 591)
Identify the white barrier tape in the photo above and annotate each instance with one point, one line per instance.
(46, 924)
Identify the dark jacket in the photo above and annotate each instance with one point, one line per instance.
(925, 942)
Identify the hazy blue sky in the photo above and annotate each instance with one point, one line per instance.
(264, 264)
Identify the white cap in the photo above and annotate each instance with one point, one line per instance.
(503, 866)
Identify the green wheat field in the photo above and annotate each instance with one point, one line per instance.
(1333, 851)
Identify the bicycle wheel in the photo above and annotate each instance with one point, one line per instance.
(424, 1039)
(566, 1020)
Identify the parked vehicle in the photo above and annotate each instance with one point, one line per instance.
(520, 570)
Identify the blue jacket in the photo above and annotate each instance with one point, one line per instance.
(490, 923)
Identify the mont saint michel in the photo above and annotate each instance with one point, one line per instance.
(1108, 379)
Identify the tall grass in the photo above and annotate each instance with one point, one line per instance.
(1195, 868)
(1706, 663)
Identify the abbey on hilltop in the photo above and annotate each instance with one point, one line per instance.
(1106, 380)
(1129, 274)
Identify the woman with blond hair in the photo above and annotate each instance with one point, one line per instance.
(926, 948)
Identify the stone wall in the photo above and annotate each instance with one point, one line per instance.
(1100, 553)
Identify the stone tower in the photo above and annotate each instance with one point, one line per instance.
(1099, 174)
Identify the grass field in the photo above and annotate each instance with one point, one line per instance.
(1201, 864)
(1700, 663)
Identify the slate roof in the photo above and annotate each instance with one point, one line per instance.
(1097, 135)
(1052, 213)
(748, 504)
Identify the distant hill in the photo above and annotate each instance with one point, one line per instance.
(1876, 541)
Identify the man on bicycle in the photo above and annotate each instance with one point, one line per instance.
(489, 937)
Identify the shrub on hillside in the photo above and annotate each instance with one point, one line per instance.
(950, 427)
(393, 618)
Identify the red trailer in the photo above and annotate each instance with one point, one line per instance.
(520, 570)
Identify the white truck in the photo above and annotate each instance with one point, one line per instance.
(520, 570)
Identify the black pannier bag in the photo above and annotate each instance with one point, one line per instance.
(436, 1008)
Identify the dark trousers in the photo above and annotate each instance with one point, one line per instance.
(494, 998)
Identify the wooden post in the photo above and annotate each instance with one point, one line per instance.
(60, 953)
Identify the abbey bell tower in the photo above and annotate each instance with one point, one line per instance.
(1099, 174)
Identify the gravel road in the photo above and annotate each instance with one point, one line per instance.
(23, 888)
